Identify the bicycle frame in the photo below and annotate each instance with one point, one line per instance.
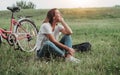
(10, 31)
(3, 31)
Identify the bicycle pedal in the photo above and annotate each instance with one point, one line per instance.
(16, 48)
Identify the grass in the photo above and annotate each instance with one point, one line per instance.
(90, 25)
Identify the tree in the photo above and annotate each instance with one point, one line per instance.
(117, 6)
(25, 5)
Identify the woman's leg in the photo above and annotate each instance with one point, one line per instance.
(67, 40)
(50, 48)
(42, 52)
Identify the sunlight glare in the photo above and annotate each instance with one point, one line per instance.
(85, 3)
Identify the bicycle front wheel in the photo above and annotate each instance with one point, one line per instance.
(26, 33)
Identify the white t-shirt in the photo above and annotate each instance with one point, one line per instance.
(47, 29)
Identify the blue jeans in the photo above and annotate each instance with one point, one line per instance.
(50, 48)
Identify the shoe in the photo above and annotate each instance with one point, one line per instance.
(72, 59)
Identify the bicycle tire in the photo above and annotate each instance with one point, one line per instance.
(26, 33)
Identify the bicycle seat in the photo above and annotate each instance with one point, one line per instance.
(14, 9)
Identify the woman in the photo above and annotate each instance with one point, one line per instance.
(47, 39)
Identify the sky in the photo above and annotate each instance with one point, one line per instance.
(47, 4)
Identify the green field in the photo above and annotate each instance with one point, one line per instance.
(99, 26)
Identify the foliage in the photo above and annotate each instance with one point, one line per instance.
(25, 5)
(117, 6)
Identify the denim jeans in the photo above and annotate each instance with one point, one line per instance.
(50, 48)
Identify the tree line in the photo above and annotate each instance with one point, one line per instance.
(25, 5)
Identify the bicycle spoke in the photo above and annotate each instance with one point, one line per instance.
(22, 28)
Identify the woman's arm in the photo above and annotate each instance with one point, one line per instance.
(67, 29)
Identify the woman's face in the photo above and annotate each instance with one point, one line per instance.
(58, 16)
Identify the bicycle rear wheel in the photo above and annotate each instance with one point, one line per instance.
(26, 33)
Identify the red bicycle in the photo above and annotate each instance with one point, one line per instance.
(22, 33)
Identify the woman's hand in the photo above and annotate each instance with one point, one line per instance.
(71, 51)
(59, 18)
